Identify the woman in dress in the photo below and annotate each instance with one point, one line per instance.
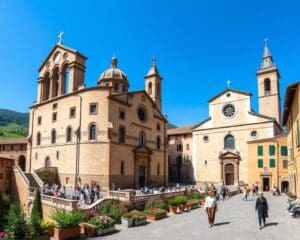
(262, 208)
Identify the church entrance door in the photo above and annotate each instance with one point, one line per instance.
(229, 174)
(142, 174)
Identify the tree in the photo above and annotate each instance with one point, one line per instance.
(4, 208)
(37, 211)
(17, 226)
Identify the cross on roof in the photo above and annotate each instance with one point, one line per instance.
(266, 41)
(60, 37)
(228, 83)
(153, 61)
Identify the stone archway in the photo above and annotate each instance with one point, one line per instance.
(22, 162)
(229, 167)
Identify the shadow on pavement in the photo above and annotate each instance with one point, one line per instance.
(271, 224)
(221, 223)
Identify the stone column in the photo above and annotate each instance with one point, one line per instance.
(134, 171)
(61, 83)
(51, 89)
(149, 171)
(222, 171)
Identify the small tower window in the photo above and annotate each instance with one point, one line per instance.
(142, 138)
(116, 87)
(150, 88)
(122, 135)
(267, 86)
(158, 142)
(38, 139)
(53, 136)
(69, 134)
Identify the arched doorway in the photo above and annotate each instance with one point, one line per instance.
(22, 162)
(229, 174)
(284, 186)
(47, 162)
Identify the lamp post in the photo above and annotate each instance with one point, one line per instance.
(78, 142)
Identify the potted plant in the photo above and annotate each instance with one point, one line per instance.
(173, 205)
(139, 218)
(103, 224)
(181, 202)
(154, 214)
(199, 197)
(67, 224)
(192, 203)
(48, 227)
(127, 219)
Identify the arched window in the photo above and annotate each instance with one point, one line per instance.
(69, 134)
(53, 136)
(92, 132)
(54, 82)
(229, 141)
(150, 88)
(38, 139)
(267, 86)
(122, 135)
(124, 88)
(46, 87)
(158, 142)
(65, 79)
(142, 138)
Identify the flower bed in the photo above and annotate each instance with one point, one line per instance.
(103, 224)
(154, 214)
(133, 218)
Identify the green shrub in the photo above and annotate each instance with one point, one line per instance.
(156, 204)
(173, 202)
(66, 219)
(4, 209)
(192, 202)
(37, 212)
(17, 226)
(114, 209)
(181, 199)
(196, 195)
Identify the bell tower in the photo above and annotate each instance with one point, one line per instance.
(268, 86)
(153, 84)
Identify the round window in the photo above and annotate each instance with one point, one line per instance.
(228, 110)
(228, 95)
(205, 138)
(142, 114)
(253, 134)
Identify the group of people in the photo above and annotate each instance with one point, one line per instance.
(85, 194)
(293, 206)
(246, 190)
(224, 191)
(261, 205)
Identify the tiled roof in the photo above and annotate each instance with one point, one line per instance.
(180, 130)
(14, 141)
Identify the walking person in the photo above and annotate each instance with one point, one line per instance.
(210, 206)
(223, 192)
(262, 209)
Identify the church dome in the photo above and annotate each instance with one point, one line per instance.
(113, 72)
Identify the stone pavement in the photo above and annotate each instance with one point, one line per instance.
(235, 220)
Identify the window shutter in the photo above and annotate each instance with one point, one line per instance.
(284, 151)
(272, 163)
(260, 150)
(271, 150)
(260, 163)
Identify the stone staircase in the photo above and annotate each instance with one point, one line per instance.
(32, 182)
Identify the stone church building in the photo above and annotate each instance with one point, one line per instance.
(220, 149)
(103, 134)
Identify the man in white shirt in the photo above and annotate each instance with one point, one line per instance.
(210, 206)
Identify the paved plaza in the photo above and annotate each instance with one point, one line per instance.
(235, 220)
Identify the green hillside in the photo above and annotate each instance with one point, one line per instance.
(13, 124)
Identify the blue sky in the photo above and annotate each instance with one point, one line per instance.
(199, 45)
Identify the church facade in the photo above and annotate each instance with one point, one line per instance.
(102, 134)
(220, 148)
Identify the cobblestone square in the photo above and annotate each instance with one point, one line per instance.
(235, 219)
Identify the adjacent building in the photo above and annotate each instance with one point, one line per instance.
(15, 150)
(103, 134)
(5, 174)
(291, 120)
(220, 149)
(268, 163)
(180, 154)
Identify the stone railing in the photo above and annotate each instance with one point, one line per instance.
(129, 196)
(61, 203)
(37, 179)
(22, 174)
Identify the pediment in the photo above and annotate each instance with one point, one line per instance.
(142, 149)
(229, 155)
